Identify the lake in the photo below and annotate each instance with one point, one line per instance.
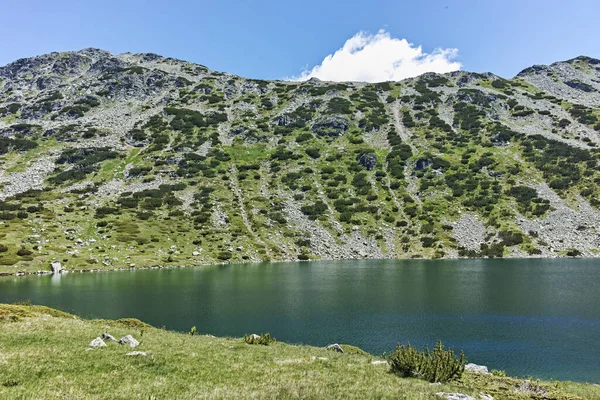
(537, 318)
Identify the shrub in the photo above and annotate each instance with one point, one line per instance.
(3, 248)
(265, 339)
(438, 365)
(24, 252)
(570, 253)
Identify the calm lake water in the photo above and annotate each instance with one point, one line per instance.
(537, 318)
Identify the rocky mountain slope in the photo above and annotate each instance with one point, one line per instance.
(136, 159)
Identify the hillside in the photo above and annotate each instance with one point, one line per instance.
(140, 160)
(45, 354)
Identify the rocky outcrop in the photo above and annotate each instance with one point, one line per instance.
(331, 125)
(478, 369)
(56, 267)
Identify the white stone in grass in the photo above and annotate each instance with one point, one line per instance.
(379, 362)
(129, 340)
(455, 396)
(98, 342)
(107, 336)
(478, 369)
(137, 353)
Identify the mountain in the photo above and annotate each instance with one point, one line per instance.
(114, 161)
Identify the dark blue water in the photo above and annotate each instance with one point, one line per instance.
(537, 318)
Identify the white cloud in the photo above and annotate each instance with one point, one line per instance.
(378, 58)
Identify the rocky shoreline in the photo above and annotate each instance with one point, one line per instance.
(92, 270)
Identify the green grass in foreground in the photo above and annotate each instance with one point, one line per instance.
(43, 355)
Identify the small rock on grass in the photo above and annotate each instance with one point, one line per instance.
(137, 353)
(478, 369)
(106, 336)
(98, 342)
(129, 340)
(335, 347)
(455, 396)
(379, 362)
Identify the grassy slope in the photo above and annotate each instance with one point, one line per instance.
(43, 355)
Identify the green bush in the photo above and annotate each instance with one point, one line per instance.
(439, 365)
(265, 339)
(24, 252)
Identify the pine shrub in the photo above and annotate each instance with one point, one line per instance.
(265, 339)
(439, 365)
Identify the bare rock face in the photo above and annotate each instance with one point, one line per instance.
(331, 125)
(469, 232)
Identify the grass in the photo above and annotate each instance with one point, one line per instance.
(43, 355)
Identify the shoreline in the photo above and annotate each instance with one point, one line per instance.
(197, 365)
(93, 270)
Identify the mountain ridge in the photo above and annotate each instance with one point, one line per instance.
(146, 160)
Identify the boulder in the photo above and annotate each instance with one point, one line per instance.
(108, 337)
(369, 161)
(129, 340)
(478, 369)
(56, 267)
(98, 342)
(335, 347)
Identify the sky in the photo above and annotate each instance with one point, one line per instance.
(332, 40)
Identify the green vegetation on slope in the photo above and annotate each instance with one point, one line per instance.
(190, 161)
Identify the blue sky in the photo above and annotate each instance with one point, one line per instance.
(277, 39)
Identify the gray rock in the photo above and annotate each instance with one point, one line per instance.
(379, 362)
(129, 340)
(56, 267)
(137, 353)
(335, 347)
(108, 337)
(478, 369)
(455, 396)
(331, 125)
(98, 342)
(369, 161)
